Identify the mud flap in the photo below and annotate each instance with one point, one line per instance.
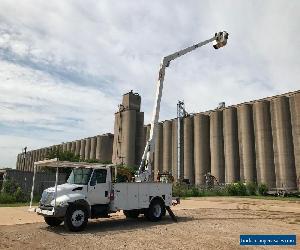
(171, 214)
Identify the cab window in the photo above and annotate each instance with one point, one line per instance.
(99, 176)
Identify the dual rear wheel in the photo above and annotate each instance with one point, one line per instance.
(154, 213)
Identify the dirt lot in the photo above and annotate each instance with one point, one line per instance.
(203, 223)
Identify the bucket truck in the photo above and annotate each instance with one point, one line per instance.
(91, 190)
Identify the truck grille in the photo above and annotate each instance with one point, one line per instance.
(47, 197)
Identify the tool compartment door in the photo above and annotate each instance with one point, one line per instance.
(126, 196)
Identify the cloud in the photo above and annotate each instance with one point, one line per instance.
(64, 65)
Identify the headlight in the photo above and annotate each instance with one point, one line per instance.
(61, 203)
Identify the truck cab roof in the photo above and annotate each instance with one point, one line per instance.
(55, 163)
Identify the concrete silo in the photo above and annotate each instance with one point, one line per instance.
(73, 147)
(246, 143)
(78, 147)
(158, 150)
(231, 145)
(117, 139)
(283, 143)
(65, 147)
(104, 147)
(174, 149)
(139, 137)
(82, 149)
(201, 147)
(167, 146)
(124, 141)
(264, 144)
(188, 149)
(69, 146)
(87, 150)
(217, 146)
(128, 132)
(93, 148)
(295, 119)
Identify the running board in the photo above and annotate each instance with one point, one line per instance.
(171, 214)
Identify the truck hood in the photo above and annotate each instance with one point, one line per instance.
(66, 188)
(65, 193)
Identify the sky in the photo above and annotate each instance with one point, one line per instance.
(64, 65)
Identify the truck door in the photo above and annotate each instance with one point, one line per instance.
(99, 187)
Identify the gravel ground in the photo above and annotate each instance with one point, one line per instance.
(203, 223)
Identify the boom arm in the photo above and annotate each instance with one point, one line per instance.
(145, 169)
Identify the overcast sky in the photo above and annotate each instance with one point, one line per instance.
(65, 64)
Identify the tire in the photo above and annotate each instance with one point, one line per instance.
(76, 218)
(52, 221)
(131, 214)
(155, 211)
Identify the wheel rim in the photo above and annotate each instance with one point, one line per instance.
(157, 210)
(77, 218)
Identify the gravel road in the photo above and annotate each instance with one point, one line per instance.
(203, 223)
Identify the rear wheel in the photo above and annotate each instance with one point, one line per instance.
(76, 218)
(53, 222)
(132, 214)
(156, 210)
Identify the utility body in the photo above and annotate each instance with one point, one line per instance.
(90, 192)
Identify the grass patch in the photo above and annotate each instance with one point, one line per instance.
(248, 190)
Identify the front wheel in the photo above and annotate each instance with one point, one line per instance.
(53, 222)
(76, 218)
(155, 211)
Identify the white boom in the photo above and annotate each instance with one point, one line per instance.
(145, 169)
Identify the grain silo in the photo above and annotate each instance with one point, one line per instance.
(283, 143)
(128, 132)
(201, 147)
(217, 146)
(264, 143)
(158, 150)
(73, 147)
(77, 147)
(167, 146)
(104, 147)
(69, 146)
(231, 146)
(188, 149)
(295, 120)
(82, 149)
(87, 150)
(139, 137)
(175, 149)
(93, 148)
(246, 143)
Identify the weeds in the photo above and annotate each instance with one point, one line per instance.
(234, 189)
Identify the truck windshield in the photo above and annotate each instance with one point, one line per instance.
(80, 176)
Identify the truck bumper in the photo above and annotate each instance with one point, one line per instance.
(55, 212)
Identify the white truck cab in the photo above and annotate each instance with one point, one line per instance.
(90, 192)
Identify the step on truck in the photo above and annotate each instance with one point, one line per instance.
(91, 192)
